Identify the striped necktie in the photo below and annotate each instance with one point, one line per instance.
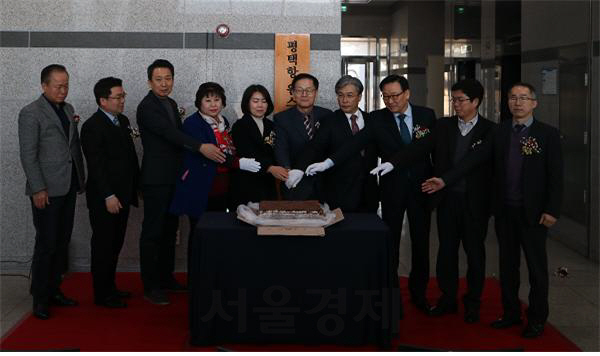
(308, 126)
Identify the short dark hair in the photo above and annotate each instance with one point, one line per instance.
(208, 89)
(525, 85)
(47, 71)
(394, 78)
(104, 86)
(305, 76)
(160, 63)
(248, 94)
(471, 87)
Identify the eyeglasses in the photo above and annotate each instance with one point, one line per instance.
(118, 97)
(520, 98)
(459, 100)
(307, 91)
(392, 96)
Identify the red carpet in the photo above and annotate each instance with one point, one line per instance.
(145, 327)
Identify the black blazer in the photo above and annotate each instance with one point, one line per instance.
(162, 140)
(290, 134)
(349, 184)
(475, 167)
(542, 173)
(249, 143)
(382, 130)
(111, 159)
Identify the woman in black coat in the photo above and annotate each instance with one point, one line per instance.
(254, 137)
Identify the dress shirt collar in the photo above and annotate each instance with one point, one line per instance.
(466, 126)
(112, 117)
(408, 119)
(526, 123)
(360, 121)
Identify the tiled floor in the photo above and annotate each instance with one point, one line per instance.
(573, 300)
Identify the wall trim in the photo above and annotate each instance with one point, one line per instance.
(198, 40)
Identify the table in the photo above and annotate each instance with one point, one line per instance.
(339, 289)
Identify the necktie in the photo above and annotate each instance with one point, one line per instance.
(308, 126)
(404, 132)
(518, 128)
(115, 121)
(355, 128)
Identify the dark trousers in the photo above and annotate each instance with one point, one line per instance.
(455, 225)
(515, 232)
(108, 234)
(53, 227)
(414, 203)
(157, 242)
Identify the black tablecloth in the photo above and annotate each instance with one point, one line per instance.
(253, 289)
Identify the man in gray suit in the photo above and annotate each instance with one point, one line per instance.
(51, 157)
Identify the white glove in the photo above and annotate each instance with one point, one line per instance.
(249, 164)
(319, 167)
(383, 169)
(294, 177)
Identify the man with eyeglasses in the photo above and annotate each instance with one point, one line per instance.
(51, 157)
(391, 130)
(526, 201)
(349, 185)
(528, 174)
(113, 177)
(295, 129)
(460, 146)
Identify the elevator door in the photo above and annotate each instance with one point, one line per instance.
(573, 114)
(573, 124)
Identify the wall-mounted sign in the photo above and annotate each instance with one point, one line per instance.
(292, 56)
(550, 81)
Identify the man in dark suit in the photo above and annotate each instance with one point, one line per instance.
(462, 164)
(348, 185)
(112, 186)
(163, 142)
(51, 158)
(528, 174)
(294, 130)
(391, 130)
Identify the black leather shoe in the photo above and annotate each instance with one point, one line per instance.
(443, 308)
(422, 305)
(504, 323)
(40, 311)
(121, 293)
(173, 286)
(62, 301)
(111, 302)
(157, 297)
(533, 330)
(471, 316)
